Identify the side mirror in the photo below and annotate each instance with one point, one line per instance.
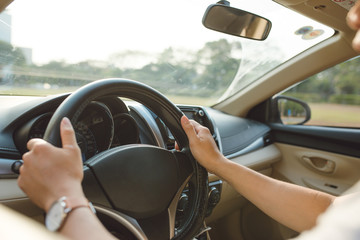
(223, 18)
(290, 111)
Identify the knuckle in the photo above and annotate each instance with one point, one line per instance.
(205, 129)
(20, 182)
(26, 156)
(76, 148)
(21, 170)
(40, 147)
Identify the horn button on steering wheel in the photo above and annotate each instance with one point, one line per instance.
(139, 180)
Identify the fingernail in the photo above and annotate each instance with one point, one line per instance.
(66, 123)
(185, 119)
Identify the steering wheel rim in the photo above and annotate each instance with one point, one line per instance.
(73, 106)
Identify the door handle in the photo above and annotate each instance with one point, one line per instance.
(320, 164)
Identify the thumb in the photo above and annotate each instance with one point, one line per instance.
(188, 128)
(67, 133)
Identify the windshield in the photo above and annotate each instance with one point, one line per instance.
(49, 47)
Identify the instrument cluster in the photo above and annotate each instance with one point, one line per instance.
(99, 127)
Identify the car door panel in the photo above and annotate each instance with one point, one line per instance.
(338, 140)
(304, 166)
(322, 158)
(295, 168)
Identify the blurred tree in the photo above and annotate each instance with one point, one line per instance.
(216, 65)
(10, 55)
(338, 84)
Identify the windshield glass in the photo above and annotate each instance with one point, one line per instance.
(49, 47)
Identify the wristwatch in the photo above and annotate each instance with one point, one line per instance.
(58, 212)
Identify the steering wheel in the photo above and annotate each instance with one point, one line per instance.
(139, 185)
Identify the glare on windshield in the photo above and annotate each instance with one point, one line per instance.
(57, 47)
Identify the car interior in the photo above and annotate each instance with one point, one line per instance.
(157, 192)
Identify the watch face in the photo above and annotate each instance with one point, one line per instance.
(55, 216)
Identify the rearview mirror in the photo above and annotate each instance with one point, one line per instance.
(226, 19)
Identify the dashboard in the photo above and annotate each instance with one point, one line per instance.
(110, 122)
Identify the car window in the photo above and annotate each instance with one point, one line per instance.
(333, 95)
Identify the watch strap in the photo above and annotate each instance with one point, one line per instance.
(88, 205)
(67, 205)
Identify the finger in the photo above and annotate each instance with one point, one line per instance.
(177, 146)
(32, 142)
(26, 156)
(353, 17)
(198, 127)
(353, 22)
(188, 127)
(20, 181)
(67, 133)
(356, 42)
(195, 123)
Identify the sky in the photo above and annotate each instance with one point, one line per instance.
(77, 30)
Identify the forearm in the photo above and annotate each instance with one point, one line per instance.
(291, 205)
(294, 206)
(82, 223)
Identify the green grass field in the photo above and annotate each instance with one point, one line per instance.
(339, 115)
(36, 92)
(322, 114)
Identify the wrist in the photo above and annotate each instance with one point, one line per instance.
(224, 167)
(219, 164)
(73, 194)
(60, 210)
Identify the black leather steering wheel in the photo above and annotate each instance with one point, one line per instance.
(139, 184)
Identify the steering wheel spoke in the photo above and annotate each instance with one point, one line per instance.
(185, 166)
(129, 223)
